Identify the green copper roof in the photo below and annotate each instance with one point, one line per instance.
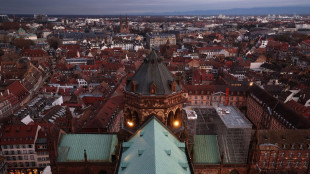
(206, 150)
(154, 150)
(99, 147)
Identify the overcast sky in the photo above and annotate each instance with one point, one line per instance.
(133, 6)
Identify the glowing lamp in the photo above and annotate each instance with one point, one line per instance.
(176, 123)
(130, 123)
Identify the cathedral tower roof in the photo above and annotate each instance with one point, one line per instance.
(153, 78)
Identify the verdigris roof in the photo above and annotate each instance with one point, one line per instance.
(154, 150)
(152, 71)
(99, 147)
(206, 150)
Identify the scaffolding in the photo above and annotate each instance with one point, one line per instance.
(231, 126)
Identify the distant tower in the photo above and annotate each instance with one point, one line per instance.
(123, 29)
(127, 29)
(120, 24)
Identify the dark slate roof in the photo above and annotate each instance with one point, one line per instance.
(274, 104)
(151, 71)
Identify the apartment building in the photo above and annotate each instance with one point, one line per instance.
(24, 147)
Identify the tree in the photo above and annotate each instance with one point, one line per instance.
(23, 43)
(54, 42)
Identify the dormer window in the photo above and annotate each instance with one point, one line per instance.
(133, 86)
(153, 88)
(173, 86)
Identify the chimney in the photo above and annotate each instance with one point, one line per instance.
(227, 97)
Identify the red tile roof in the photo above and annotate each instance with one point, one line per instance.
(211, 48)
(33, 53)
(92, 100)
(19, 134)
(18, 90)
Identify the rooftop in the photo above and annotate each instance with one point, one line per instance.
(152, 72)
(154, 149)
(206, 150)
(232, 118)
(99, 147)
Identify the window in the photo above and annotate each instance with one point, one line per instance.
(264, 163)
(280, 164)
(31, 157)
(24, 151)
(291, 154)
(26, 157)
(299, 155)
(29, 146)
(288, 164)
(297, 164)
(5, 146)
(282, 154)
(20, 158)
(305, 164)
(201, 97)
(272, 164)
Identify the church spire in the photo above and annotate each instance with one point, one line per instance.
(120, 24)
(127, 29)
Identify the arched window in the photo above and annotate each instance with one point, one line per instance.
(102, 172)
(234, 172)
(170, 119)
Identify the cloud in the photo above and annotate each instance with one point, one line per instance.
(132, 6)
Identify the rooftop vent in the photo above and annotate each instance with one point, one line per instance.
(168, 152)
(141, 133)
(166, 133)
(124, 165)
(140, 152)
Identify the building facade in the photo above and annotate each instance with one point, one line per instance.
(210, 95)
(280, 151)
(267, 112)
(19, 147)
(154, 40)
